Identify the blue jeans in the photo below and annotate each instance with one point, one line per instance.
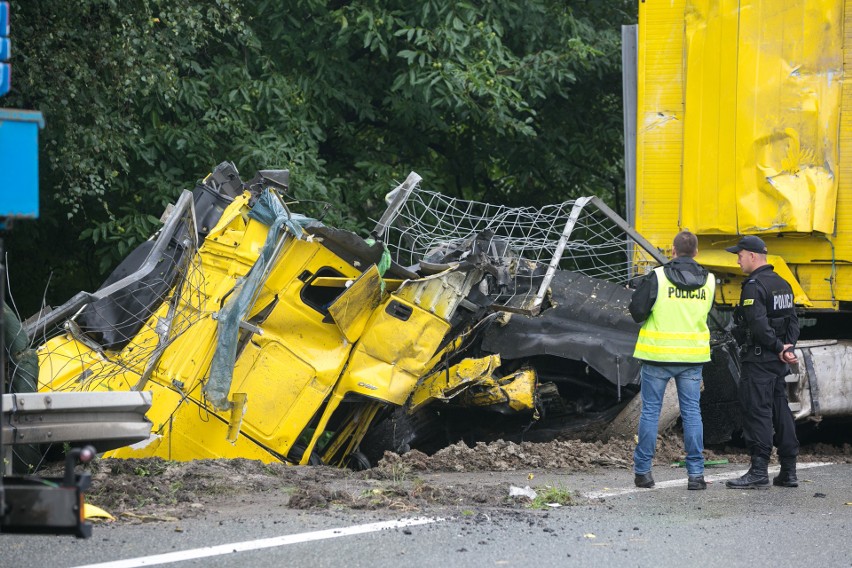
(653, 386)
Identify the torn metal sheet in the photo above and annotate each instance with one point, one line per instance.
(445, 384)
(353, 308)
(514, 392)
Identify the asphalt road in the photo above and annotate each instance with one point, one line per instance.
(613, 524)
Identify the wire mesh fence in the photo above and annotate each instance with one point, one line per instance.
(582, 235)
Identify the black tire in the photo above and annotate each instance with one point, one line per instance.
(399, 432)
(298, 450)
(357, 461)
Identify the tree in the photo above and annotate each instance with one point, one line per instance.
(509, 102)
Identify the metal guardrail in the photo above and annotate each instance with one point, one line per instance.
(106, 420)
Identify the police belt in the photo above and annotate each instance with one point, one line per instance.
(751, 347)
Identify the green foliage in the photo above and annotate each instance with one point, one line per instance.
(151, 468)
(517, 102)
(549, 495)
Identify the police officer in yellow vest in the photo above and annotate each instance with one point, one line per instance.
(674, 342)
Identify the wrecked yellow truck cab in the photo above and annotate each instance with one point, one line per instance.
(267, 335)
(295, 359)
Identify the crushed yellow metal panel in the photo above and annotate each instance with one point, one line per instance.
(516, 391)
(354, 307)
(761, 120)
(284, 390)
(475, 382)
(188, 357)
(444, 384)
(64, 362)
(392, 354)
(183, 429)
(758, 87)
(441, 293)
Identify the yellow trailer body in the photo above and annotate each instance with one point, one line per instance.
(743, 128)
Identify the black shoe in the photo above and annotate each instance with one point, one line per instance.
(785, 479)
(750, 480)
(787, 476)
(644, 480)
(755, 478)
(696, 483)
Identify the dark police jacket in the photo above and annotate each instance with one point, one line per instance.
(766, 317)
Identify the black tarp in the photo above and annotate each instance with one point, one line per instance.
(587, 321)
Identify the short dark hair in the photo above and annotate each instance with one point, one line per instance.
(685, 244)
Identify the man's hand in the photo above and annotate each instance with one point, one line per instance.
(787, 355)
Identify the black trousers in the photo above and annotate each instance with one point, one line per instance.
(767, 419)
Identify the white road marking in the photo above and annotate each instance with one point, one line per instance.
(244, 546)
(682, 481)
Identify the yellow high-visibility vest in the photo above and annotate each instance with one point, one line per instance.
(676, 331)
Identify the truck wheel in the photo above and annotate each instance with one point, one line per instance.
(357, 461)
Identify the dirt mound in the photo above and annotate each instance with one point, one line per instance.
(140, 490)
(154, 484)
(569, 455)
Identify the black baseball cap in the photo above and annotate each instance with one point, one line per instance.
(749, 243)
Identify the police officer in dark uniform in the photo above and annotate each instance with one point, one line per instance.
(766, 330)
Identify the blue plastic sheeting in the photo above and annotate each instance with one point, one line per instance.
(270, 211)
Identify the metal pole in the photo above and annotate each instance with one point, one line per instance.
(629, 73)
(2, 380)
(652, 251)
(400, 196)
(557, 255)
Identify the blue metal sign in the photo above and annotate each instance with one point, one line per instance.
(19, 163)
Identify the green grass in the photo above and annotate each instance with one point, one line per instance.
(550, 494)
(399, 473)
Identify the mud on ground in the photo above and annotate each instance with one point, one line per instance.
(142, 490)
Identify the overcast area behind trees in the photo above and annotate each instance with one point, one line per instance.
(515, 102)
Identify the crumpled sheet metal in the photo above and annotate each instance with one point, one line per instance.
(762, 115)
